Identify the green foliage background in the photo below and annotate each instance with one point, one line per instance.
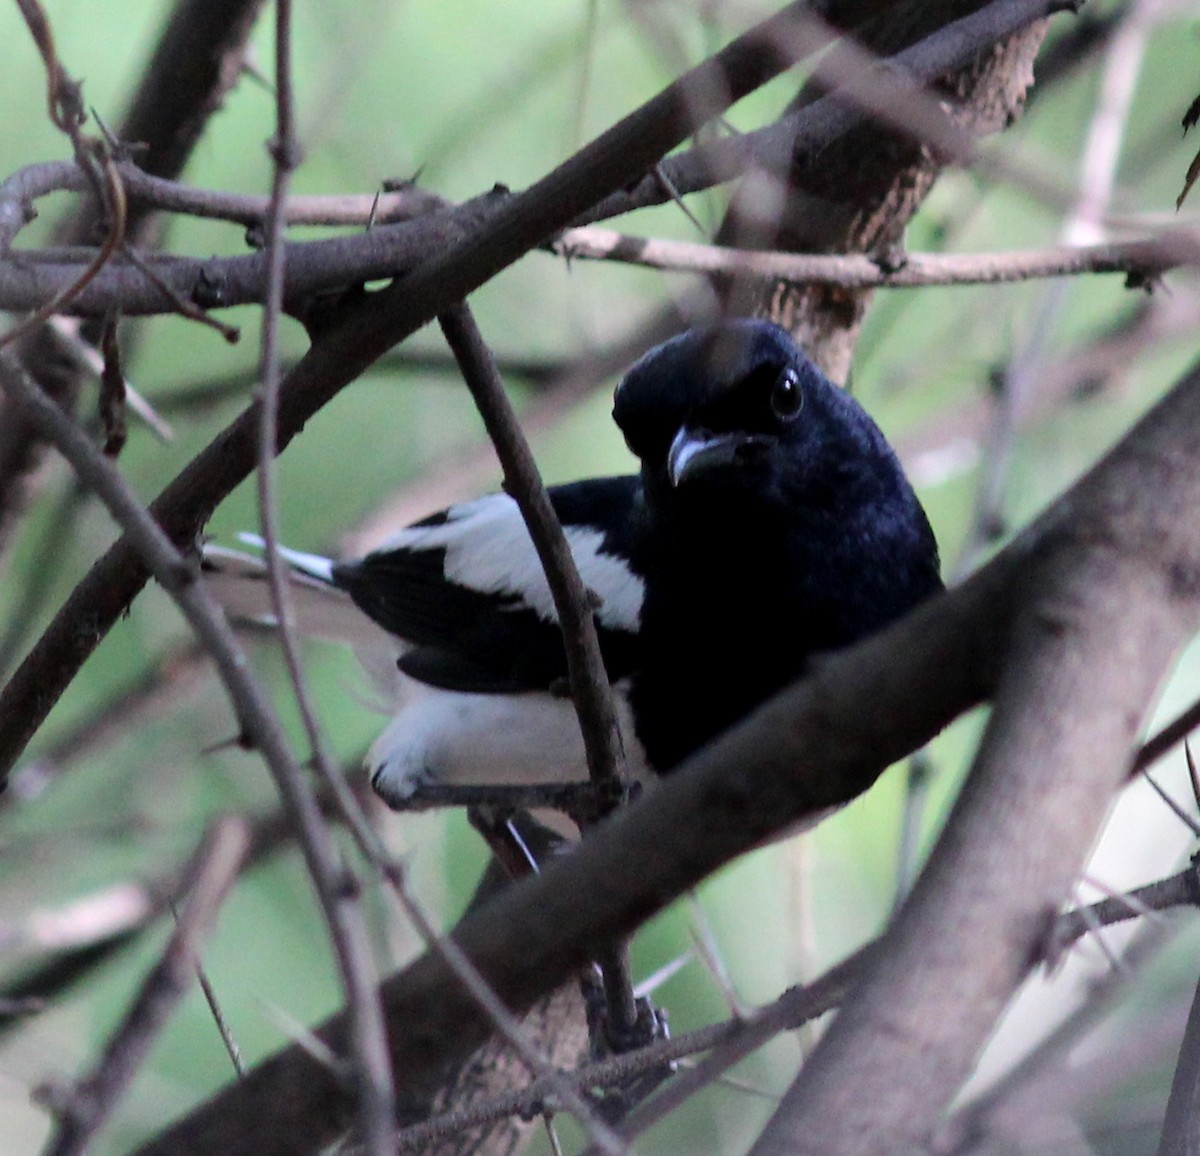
(470, 94)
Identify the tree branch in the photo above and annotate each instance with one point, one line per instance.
(1141, 260)
(819, 743)
(890, 91)
(321, 266)
(84, 1110)
(588, 679)
(1108, 597)
(336, 893)
(351, 339)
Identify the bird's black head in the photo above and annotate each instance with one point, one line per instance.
(736, 409)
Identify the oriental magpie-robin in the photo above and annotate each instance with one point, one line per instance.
(771, 521)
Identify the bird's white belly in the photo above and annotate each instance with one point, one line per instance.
(455, 739)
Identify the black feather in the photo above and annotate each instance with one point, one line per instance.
(771, 521)
(471, 640)
(810, 540)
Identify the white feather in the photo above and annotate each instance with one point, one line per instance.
(444, 736)
(488, 548)
(315, 565)
(451, 738)
(238, 581)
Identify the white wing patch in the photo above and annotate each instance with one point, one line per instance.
(489, 549)
(444, 736)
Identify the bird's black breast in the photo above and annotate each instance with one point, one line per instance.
(735, 612)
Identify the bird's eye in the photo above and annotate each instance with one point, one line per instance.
(787, 398)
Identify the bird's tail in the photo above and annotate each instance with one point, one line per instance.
(240, 583)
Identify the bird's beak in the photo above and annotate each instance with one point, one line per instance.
(697, 452)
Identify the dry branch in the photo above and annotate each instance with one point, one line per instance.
(325, 265)
(336, 890)
(83, 1110)
(1119, 536)
(184, 83)
(353, 338)
(1108, 595)
(1141, 260)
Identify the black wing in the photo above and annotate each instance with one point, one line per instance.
(465, 588)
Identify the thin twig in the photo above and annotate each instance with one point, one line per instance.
(368, 1035)
(890, 91)
(807, 749)
(78, 944)
(741, 66)
(64, 99)
(798, 1005)
(1023, 377)
(1166, 739)
(379, 1128)
(351, 210)
(183, 306)
(68, 330)
(588, 680)
(1179, 890)
(590, 689)
(507, 1025)
(968, 1129)
(742, 1037)
(363, 333)
(793, 1008)
(114, 201)
(88, 1105)
(1173, 806)
(255, 713)
(223, 1028)
(1143, 258)
(566, 1095)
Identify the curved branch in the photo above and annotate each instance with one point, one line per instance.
(19, 191)
(313, 267)
(358, 333)
(1122, 537)
(319, 266)
(212, 873)
(1111, 591)
(338, 900)
(890, 90)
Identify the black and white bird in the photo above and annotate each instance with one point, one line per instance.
(771, 521)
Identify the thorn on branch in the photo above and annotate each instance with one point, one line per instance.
(118, 149)
(660, 175)
(185, 308)
(891, 259)
(1191, 116)
(207, 292)
(404, 184)
(1193, 778)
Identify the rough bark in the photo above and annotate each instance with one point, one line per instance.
(859, 195)
(1122, 538)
